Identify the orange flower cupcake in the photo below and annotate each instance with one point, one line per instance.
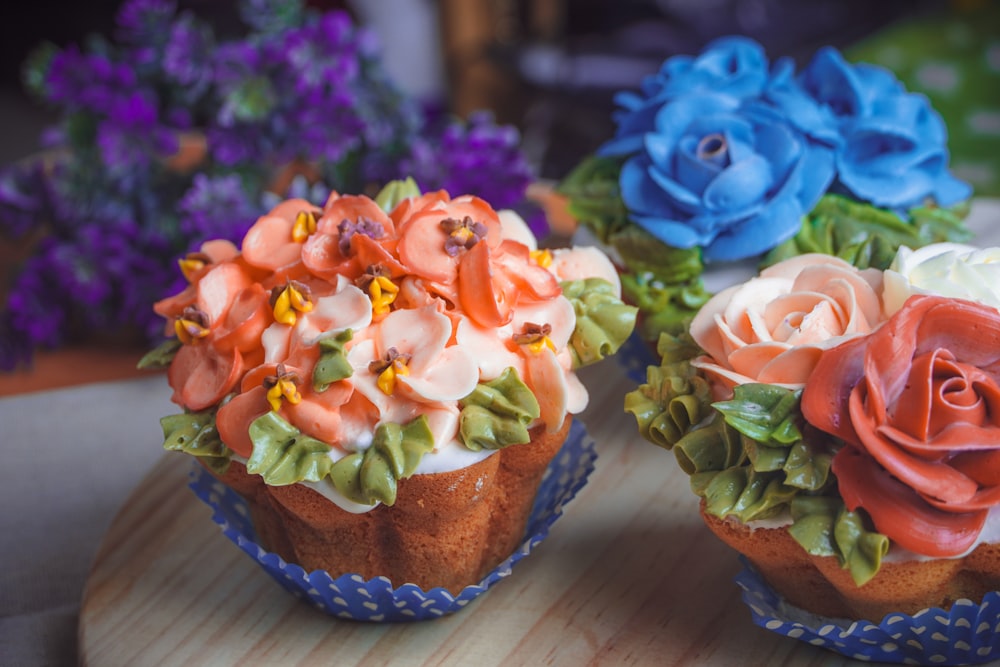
(842, 428)
(384, 383)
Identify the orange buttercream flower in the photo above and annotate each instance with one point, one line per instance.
(918, 404)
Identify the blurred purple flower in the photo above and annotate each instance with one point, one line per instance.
(87, 81)
(23, 198)
(478, 157)
(187, 56)
(141, 22)
(300, 85)
(131, 136)
(217, 207)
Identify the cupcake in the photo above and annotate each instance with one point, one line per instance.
(725, 162)
(842, 429)
(384, 382)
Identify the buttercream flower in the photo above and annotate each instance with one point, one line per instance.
(734, 181)
(219, 330)
(275, 240)
(733, 65)
(917, 403)
(406, 367)
(893, 151)
(946, 269)
(352, 234)
(774, 328)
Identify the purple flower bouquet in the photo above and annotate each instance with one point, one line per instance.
(299, 91)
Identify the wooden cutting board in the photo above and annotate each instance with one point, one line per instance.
(628, 576)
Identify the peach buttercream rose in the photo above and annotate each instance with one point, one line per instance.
(918, 404)
(774, 328)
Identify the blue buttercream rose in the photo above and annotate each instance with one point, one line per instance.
(736, 66)
(785, 98)
(722, 176)
(892, 149)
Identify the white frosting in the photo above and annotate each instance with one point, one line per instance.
(945, 269)
(990, 534)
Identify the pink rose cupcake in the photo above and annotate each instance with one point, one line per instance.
(842, 428)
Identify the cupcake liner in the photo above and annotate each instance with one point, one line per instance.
(351, 596)
(634, 356)
(966, 634)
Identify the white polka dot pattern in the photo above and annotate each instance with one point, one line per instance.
(967, 634)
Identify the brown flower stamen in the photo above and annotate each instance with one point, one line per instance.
(462, 234)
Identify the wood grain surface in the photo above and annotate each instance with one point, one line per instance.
(628, 576)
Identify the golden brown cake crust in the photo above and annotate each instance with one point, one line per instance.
(445, 529)
(819, 585)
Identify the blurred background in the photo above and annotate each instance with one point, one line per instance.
(551, 67)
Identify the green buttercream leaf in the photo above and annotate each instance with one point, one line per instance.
(497, 413)
(160, 356)
(284, 455)
(942, 224)
(591, 189)
(372, 475)
(603, 321)
(665, 307)
(673, 348)
(194, 433)
(332, 365)
(673, 400)
(646, 255)
(866, 236)
(763, 412)
(861, 550)
(395, 192)
(808, 463)
(713, 447)
(743, 493)
(823, 527)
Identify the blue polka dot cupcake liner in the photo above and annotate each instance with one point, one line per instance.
(350, 596)
(966, 634)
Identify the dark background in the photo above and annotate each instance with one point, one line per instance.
(548, 66)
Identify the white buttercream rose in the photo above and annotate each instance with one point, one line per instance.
(946, 269)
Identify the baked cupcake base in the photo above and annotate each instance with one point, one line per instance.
(356, 597)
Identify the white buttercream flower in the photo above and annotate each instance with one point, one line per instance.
(947, 269)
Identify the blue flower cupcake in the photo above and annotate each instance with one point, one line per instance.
(725, 161)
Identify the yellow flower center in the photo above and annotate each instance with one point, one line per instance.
(543, 258)
(191, 326)
(387, 378)
(282, 385)
(388, 368)
(304, 225)
(288, 301)
(382, 292)
(535, 337)
(537, 346)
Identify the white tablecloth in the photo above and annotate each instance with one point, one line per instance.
(68, 459)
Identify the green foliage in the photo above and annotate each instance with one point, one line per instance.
(869, 237)
(603, 321)
(497, 413)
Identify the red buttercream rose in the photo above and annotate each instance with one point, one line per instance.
(918, 404)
